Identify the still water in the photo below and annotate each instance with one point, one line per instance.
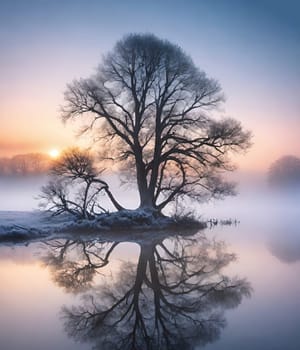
(224, 288)
(227, 287)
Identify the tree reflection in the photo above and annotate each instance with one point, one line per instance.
(285, 243)
(173, 297)
(74, 264)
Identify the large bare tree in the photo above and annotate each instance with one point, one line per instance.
(153, 107)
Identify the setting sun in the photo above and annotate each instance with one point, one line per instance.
(54, 153)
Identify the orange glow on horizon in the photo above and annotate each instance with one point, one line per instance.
(54, 153)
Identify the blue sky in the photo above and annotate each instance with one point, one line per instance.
(251, 47)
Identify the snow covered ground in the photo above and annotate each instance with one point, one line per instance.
(23, 225)
(17, 226)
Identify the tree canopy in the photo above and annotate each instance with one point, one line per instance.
(150, 109)
(285, 172)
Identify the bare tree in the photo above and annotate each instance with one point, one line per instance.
(285, 172)
(75, 185)
(153, 106)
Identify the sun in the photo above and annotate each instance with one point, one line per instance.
(54, 153)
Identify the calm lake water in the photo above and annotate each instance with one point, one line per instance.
(227, 287)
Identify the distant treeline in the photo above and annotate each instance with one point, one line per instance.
(25, 164)
(285, 172)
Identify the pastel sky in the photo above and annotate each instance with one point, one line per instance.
(251, 47)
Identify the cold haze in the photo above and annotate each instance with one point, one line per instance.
(149, 174)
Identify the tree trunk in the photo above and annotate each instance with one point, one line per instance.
(146, 200)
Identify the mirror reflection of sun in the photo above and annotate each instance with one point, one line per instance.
(54, 153)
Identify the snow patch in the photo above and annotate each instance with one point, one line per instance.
(22, 226)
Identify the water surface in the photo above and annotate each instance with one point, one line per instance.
(231, 287)
(228, 287)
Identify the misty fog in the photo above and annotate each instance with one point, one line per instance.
(255, 205)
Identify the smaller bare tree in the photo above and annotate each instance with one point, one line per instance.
(75, 186)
